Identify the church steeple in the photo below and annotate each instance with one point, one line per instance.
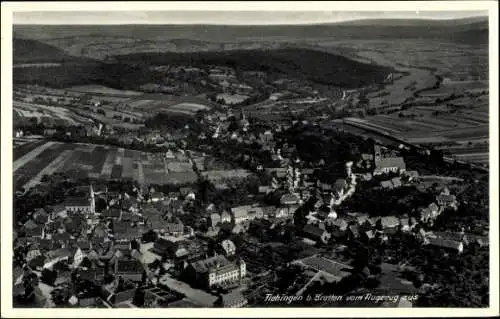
(92, 200)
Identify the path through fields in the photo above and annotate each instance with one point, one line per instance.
(55, 165)
(30, 156)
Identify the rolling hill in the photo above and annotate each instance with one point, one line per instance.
(33, 51)
(130, 71)
(316, 66)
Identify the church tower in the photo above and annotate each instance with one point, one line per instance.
(92, 200)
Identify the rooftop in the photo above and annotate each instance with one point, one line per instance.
(77, 201)
(129, 266)
(391, 162)
(444, 243)
(313, 230)
(232, 298)
(228, 245)
(206, 265)
(329, 266)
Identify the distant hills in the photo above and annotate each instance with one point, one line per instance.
(27, 50)
(283, 50)
(357, 29)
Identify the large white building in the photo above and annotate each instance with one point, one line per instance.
(217, 270)
(245, 213)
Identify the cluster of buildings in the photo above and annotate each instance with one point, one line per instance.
(140, 243)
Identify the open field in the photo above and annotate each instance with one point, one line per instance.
(68, 108)
(31, 155)
(232, 98)
(28, 166)
(403, 88)
(101, 162)
(456, 61)
(46, 114)
(24, 148)
(100, 89)
(460, 133)
(39, 65)
(225, 174)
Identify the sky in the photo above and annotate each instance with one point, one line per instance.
(226, 17)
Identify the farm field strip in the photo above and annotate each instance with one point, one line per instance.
(369, 125)
(24, 149)
(405, 125)
(474, 155)
(127, 168)
(457, 149)
(26, 158)
(120, 154)
(484, 119)
(99, 89)
(426, 140)
(52, 167)
(97, 161)
(478, 118)
(108, 164)
(34, 166)
(61, 112)
(467, 121)
(479, 129)
(140, 173)
(116, 172)
(422, 125)
(442, 123)
(474, 158)
(139, 103)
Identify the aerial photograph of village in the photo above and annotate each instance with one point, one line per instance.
(165, 160)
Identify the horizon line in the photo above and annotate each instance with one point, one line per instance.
(260, 24)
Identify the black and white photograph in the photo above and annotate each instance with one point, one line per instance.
(230, 157)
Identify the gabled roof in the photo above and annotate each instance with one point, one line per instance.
(313, 230)
(289, 198)
(228, 245)
(60, 253)
(386, 184)
(444, 243)
(340, 184)
(396, 181)
(354, 229)
(233, 298)
(30, 224)
(77, 201)
(61, 237)
(446, 198)
(37, 231)
(205, 265)
(268, 210)
(389, 221)
(340, 223)
(412, 173)
(111, 213)
(129, 266)
(40, 216)
(240, 211)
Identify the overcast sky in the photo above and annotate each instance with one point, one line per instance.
(225, 17)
